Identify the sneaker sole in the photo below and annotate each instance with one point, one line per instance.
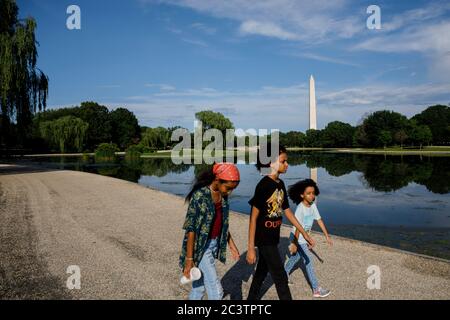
(323, 296)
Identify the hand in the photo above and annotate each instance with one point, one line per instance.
(311, 242)
(292, 249)
(188, 265)
(329, 241)
(251, 256)
(235, 253)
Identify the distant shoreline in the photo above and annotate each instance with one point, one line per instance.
(434, 151)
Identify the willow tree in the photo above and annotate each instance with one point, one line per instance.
(23, 87)
(66, 133)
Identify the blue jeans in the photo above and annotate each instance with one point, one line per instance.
(209, 281)
(305, 256)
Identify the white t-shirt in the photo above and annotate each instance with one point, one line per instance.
(306, 216)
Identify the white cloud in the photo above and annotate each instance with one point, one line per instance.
(160, 86)
(175, 30)
(166, 87)
(424, 31)
(202, 92)
(195, 42)
(267, 29)
(284, 19)
(425, 39)
(415, 16)
(318, 57)
(204, 28)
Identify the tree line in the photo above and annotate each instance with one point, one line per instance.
(83, 128)
(379, 129)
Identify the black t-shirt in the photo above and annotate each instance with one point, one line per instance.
(271, 199)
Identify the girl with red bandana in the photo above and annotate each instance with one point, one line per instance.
(206, 229)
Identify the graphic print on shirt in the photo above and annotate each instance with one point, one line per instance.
(275, 203)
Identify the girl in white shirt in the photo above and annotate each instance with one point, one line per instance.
(303, 193)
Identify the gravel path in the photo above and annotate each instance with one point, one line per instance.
(126, 240)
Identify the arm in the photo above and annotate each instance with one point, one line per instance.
(325, 232)
(291, 217)
(190, 226)
(189, 262)
(234, 250)
(251, 252)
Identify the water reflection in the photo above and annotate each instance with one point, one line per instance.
(384, 173)
(380, 173)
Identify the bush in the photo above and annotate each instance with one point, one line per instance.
(145, 149)
(85, 157)
(133, 152)
(106, 152)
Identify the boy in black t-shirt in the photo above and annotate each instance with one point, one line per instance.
(268, 203)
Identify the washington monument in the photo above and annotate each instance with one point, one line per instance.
(312, 104)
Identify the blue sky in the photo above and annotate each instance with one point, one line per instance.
(251, 60)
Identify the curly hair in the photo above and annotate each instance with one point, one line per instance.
(297, 189)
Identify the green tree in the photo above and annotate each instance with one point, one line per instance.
(437, 118)
(313, 138)
(214, 120)
(400, 137)
(338, 134)
(125, 128)
(379, 121)
(53, 114)
(68, 133)
(421, 135)
(292, 139)
(385, 137)
(97, 116)
(360, 137)
(156, 138)
(23, 87)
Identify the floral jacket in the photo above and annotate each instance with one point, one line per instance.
(199, 219)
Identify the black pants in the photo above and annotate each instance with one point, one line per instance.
(270, 261)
